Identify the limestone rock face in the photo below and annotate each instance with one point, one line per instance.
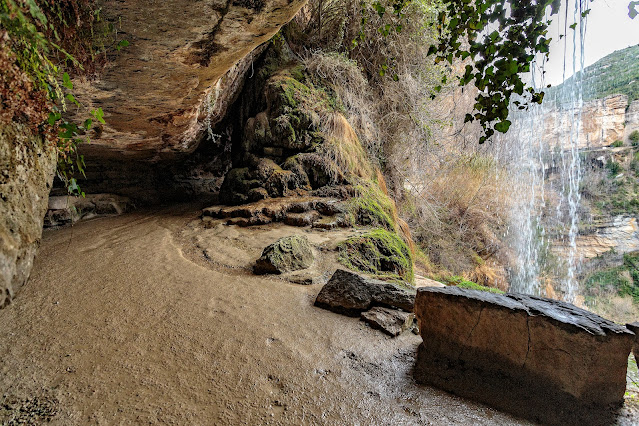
(519, 352)
(621, 233)
(603, 121)
(351, 294)
(27, 166)
(183, 66)
(284, 255)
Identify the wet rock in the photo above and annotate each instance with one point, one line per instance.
(301, 219)
(350, 294)
(519, 352)
(297, 210)
(258, 219)
(326, 223)
(634, 327)
(286, 254)
(390, 321)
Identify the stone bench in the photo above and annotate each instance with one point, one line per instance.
(542, 359)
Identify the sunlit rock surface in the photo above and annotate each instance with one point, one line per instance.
(540, 358)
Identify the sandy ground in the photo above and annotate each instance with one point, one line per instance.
(126, 321)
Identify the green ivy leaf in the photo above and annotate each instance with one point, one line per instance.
(66, 81)
(503, 126)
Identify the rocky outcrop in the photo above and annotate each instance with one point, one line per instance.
(294, 145)
(181, 71)
(285, 255)
(603, 121)
(351, 294)
(519, 353)
(318, 212)
(619, 234)
(27, 165)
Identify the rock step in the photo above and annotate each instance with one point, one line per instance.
(319, 212)
(542, 359)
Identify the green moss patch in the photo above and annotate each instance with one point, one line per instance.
(380, 253)
(463, 283)
(371, 207)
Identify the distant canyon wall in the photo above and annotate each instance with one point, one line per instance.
(602, 122)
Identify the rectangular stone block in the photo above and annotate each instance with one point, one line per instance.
(544, 359)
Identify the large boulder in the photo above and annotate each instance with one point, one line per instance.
(540, 358)
(285, 255)
(351, 294)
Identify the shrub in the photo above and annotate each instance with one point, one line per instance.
(617, 144)
(613, 167)
(634, 138)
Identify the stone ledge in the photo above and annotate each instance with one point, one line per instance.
(540, 358)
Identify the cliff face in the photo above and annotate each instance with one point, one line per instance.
(603, 121)
(27, 166)
(182, 56)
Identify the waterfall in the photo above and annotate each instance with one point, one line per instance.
(533, 159)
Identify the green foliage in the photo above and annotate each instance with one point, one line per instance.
(371, 207)
(36, 30)
(617, 144)
(502, 38)
(380, 253)
(613, 167)
(622, 280)
(464, 283)
(634, 138)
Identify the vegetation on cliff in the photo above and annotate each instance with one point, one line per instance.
(41, 42)
(617, 73)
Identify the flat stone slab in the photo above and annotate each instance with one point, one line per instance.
(391, 321)
(540, 358)
(350, 294)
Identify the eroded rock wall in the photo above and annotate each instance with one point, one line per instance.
(27, 166)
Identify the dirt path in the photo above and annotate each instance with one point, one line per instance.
(124, 321)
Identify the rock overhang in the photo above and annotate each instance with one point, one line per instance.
(181, 55)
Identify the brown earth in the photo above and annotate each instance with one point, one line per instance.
(125, 320)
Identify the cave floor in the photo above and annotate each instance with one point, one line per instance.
(125, 320)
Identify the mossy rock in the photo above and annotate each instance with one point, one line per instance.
(380, 253)
(235, 187)
(371, 207)
(285, 255)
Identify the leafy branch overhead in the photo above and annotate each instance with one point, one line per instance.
(501, 39)
(497, 40)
